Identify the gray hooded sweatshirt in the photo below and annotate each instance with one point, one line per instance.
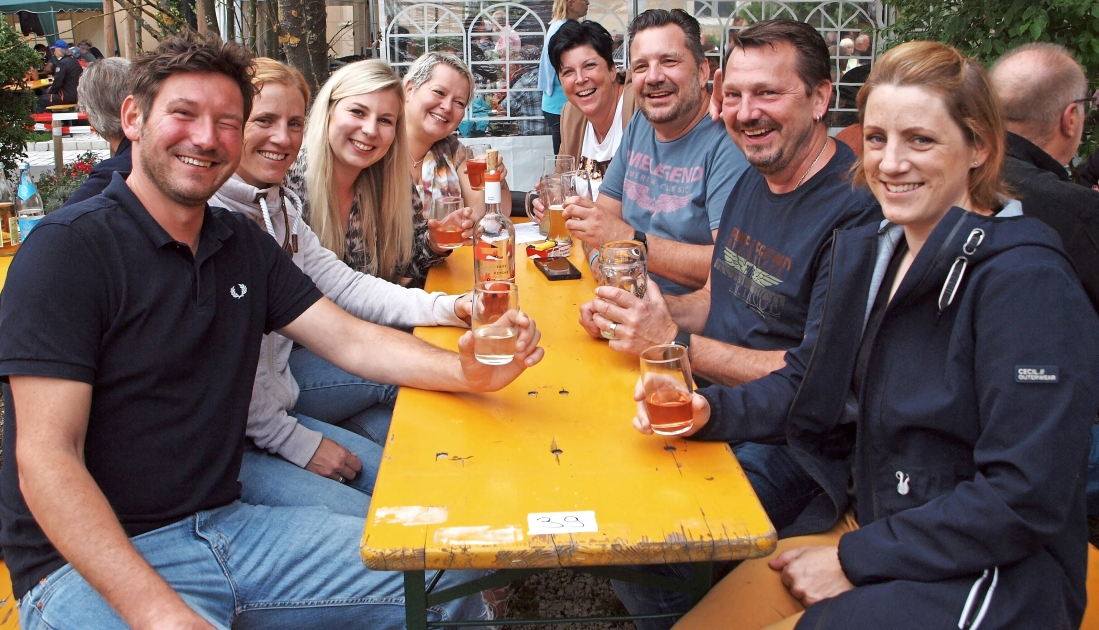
(275, 392)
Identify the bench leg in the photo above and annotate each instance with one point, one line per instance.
(415, 600)
(58, 148)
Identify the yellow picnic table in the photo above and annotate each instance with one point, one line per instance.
(476, 481)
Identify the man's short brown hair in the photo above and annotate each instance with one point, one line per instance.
(191, 52)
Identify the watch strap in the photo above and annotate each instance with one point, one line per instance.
(641, 237)
(683, 338)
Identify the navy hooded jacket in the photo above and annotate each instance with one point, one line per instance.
(973, 426)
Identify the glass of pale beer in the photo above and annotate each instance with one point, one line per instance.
(666, 378)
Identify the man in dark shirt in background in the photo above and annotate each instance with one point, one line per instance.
(65, 79)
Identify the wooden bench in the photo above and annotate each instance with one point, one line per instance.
(716, 616)
(66, 107)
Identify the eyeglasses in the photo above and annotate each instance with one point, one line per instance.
(1089, 104)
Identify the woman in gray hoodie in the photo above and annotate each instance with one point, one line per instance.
(285, 441)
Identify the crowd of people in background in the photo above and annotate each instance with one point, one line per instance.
(892, 333)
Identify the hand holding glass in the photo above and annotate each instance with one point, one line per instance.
(666, 379)
(475, 165)
(622, 264)
(551, 164)
(495, 327)
(446, 211)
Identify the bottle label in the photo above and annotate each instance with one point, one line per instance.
(493, 260)
(492, 192)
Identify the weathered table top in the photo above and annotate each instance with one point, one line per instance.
(462, 475)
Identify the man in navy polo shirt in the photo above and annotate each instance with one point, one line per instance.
(130, 329)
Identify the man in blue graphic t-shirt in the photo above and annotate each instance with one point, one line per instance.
(762, 296)
(674, 168)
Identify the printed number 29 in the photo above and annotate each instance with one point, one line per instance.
(568, 522)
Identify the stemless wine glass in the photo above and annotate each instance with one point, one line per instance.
(622, 264)
(448, 232)
(495, 329)
(475, 165)
(666, 379)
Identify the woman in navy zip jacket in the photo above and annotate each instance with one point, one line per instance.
(946, 406)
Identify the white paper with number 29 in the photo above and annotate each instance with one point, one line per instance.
(561, 522)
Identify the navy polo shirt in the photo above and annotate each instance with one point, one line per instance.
(100, 293)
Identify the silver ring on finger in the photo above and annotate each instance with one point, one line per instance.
(609, 333)
(341, 479)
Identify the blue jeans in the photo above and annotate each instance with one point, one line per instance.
(267, 479)
(250, 566)
(784, 489)
(331, 395)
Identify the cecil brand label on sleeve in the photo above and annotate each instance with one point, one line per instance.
(1036, 373)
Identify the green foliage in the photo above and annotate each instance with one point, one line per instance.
(56, 188)
(986, 29)
(16, 105)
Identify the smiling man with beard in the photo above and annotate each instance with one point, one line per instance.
(760, 299)
(674, 167)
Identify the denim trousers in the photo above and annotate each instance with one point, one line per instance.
(268, 479)
(331, 395)
(784, 489)
(250, 566)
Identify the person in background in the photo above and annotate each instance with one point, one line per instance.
(862, 49)
(87, 46)
(65, 80)
(506, 38)
(100, 93)
(47, 66)
(553, 97)
(82, 51)
(291, 458)
(437, 89)
(1045, 96)
(600, 106)
(674, 168)
(1044, 92)
(525, 99)
(946, 406)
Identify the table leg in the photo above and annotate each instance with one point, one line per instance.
(415, 600)
(702, 575)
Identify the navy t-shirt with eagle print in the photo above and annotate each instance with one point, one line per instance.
(768, 252)
(674, 189)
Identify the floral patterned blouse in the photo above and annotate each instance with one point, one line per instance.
(413, 274)
(439, 171)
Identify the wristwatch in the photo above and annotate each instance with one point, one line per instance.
(642, 238)
(683, 338)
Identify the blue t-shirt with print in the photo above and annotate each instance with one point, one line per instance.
(768, 249)
(674, 189)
